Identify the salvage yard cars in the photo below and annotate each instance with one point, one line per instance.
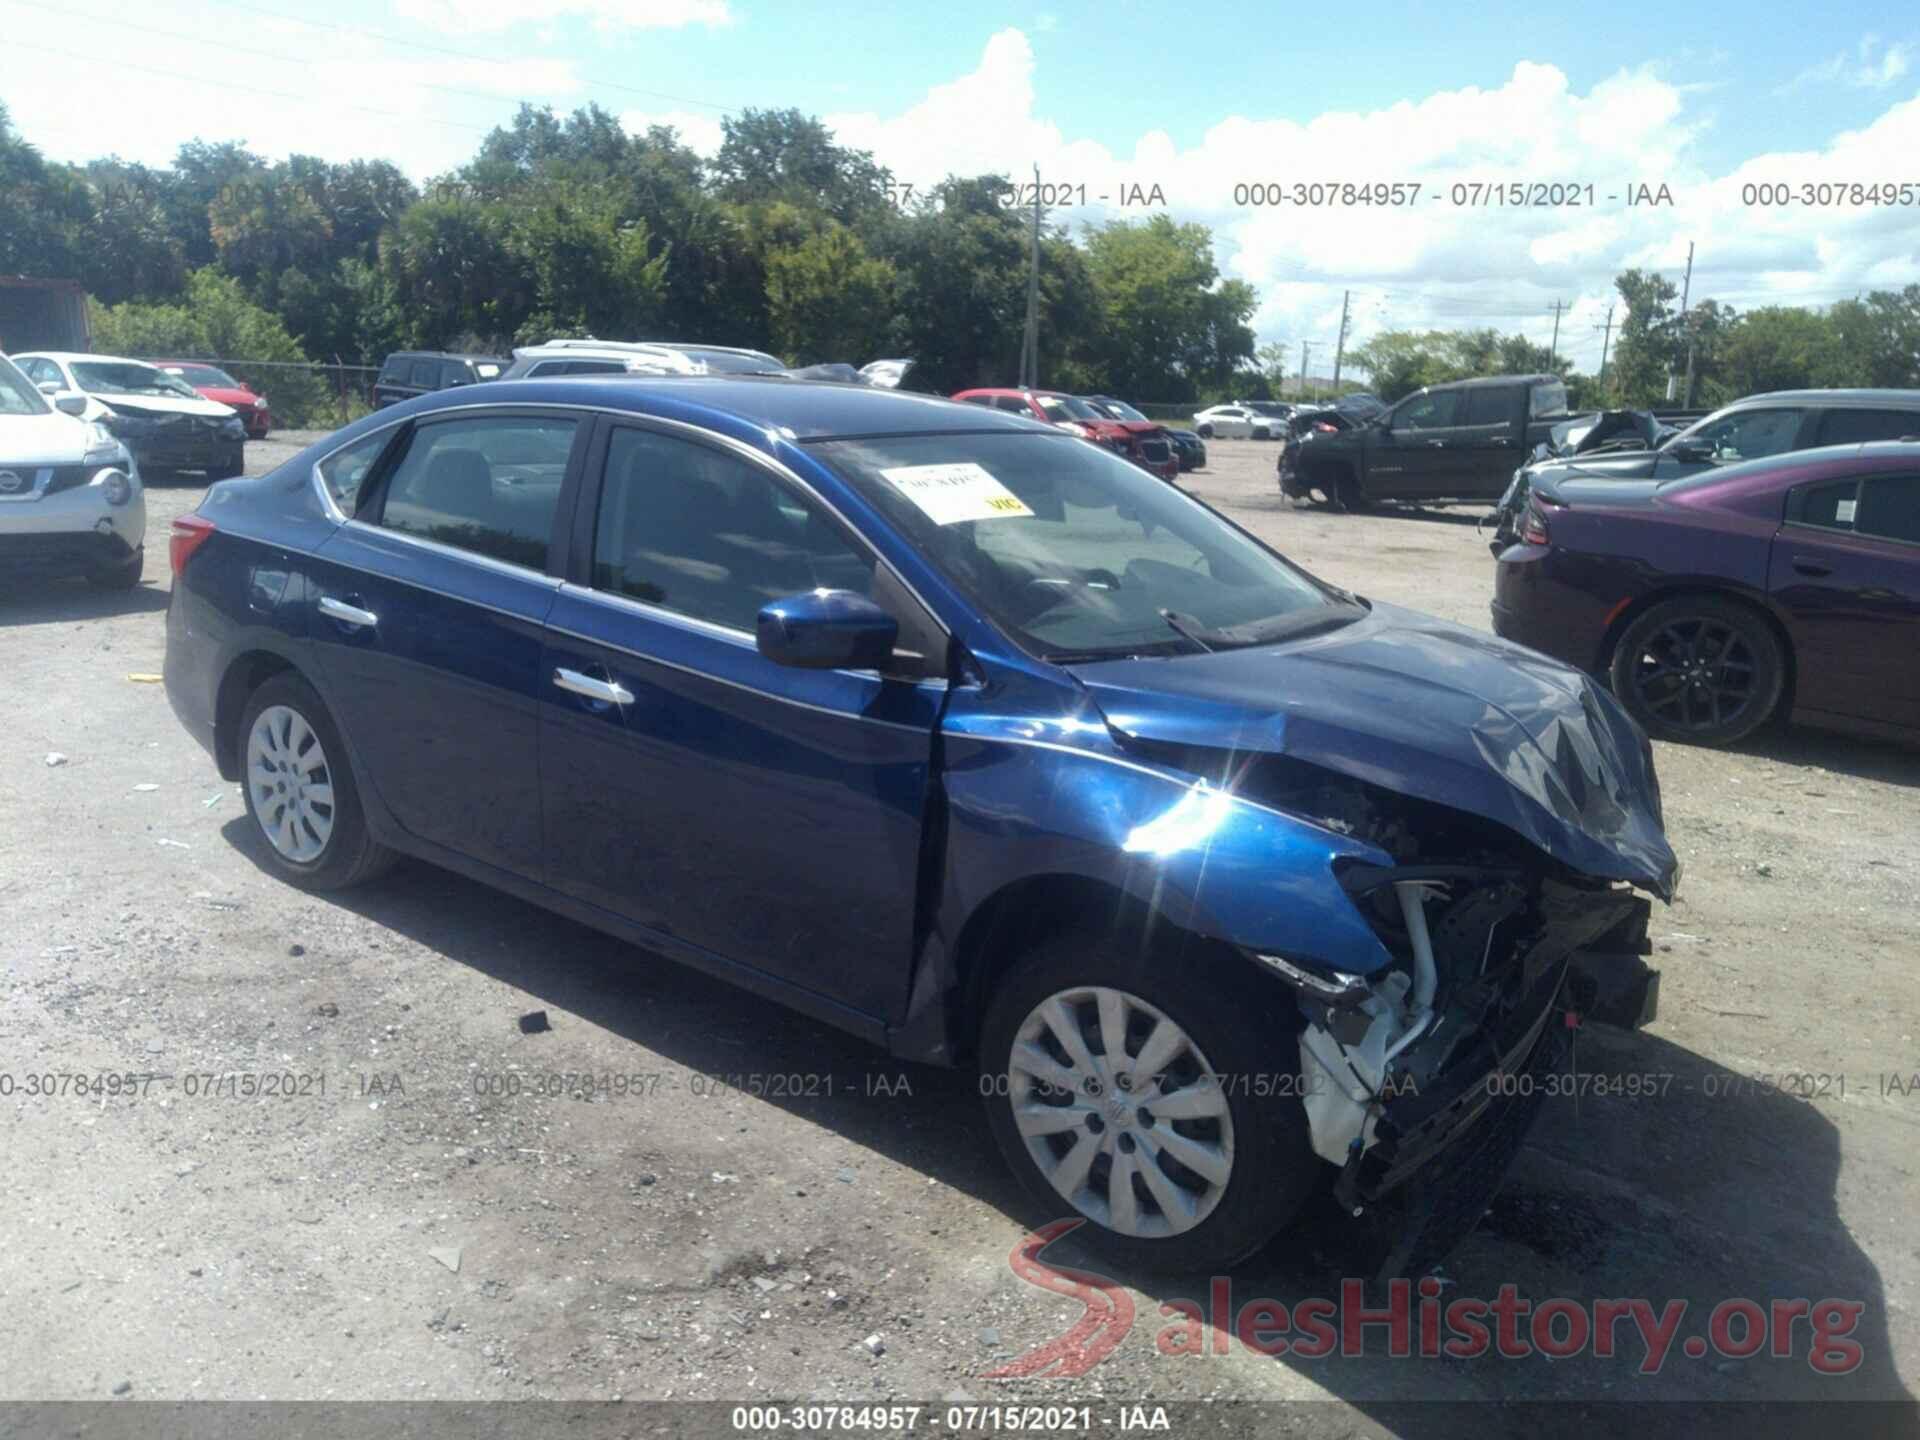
(162, 420)
(1053, 770)
(70, 500)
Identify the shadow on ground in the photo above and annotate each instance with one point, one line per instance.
(1699, 1186)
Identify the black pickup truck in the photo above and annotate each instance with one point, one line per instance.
(1460, 441)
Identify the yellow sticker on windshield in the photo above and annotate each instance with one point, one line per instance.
(949, 494)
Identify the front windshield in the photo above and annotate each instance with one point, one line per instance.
(1066, 407)
(203, 375)
(124, 377)
(1077, 554)
(17, 395)
(1729, 437)
(1120, 410)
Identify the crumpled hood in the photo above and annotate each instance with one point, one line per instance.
(158, 406)
(1429, 710)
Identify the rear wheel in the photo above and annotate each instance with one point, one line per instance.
(299, 790)
(1700, 668)
(1205, 432)
(1166, 1113)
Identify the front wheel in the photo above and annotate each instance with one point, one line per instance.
(1168, 1114)
(299, 790)
(230, 464)
(1699, 668)
(122, 575)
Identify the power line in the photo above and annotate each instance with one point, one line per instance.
(466, 54)
(327, 101)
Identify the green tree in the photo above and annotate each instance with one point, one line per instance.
(216, 321)
(1644, 353)
(1167, 324)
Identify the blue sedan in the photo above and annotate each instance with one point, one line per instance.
(944, 727)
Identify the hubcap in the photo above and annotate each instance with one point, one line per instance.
(290, 784)
(1121, 1112)
(1695, 674)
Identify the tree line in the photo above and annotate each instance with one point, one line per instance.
(563, 226)
(785, 241)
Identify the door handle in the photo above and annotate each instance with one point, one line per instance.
(1437, 444)
(346, 614)
(609, 692)
(1812, 567)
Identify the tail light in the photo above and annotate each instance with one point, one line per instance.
(1533, 524)
(189, 533)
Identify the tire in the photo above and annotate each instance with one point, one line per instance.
(1705, 669)
(1205, 432)
(1229, 1030)
(1347, 491)
(123, 576)
(230, 465)
(345, 853)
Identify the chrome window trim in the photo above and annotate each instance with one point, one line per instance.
(549, 583)
(489, 562)
(639, 421)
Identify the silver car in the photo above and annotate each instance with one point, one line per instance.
(70, 495)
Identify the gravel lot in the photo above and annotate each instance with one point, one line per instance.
(434, 1226)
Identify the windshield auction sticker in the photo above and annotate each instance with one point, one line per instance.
(950, 494)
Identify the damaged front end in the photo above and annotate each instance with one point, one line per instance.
(1493, 944)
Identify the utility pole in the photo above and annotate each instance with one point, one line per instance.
(1606, 338)
(1686, 292)
(1030, 342)
(1686, 319)
(1305, 345)
(1553, 349)
(1340, 346)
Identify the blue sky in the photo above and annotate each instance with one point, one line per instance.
(1705, 98)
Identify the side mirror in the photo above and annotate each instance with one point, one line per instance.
(1691, 452)
(827, 630)
(68, 403)
(49, 387)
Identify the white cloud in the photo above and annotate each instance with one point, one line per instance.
(1870, 65)
(460, 16)
(1437, 263)
(700, 133)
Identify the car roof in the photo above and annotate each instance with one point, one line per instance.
(1481, 381)
(439, 355)
(794, 409)
(1876, 399)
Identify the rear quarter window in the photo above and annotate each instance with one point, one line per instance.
(1548, 399)
(1854, 427)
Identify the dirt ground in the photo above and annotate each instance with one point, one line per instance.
(424, 1217)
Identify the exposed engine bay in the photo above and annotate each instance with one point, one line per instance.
(1492, 941)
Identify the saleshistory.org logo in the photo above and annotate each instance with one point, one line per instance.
(1415, 1321)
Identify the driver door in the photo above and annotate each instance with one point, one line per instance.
(760, 814)
(1416, 456)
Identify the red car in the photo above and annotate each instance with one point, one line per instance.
(1141, 441)
(216, 384)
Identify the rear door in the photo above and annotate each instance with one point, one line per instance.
(766, 815)
(1484, 449)
(428, 613)
(1845, 568)
(1415, 455)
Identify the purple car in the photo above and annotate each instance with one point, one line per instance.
(1714, 601)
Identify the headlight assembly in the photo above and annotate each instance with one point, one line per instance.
(117, 487)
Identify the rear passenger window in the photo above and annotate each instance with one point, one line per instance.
(454, 372)
(424, 372)
(485, 484)
(1013, 405)
(1489, 405)
(1889, 508)
(1830, 507)
(1853, 427)
(704, 533)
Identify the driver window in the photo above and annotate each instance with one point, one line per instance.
(1428, 412)
(1751, 434)
(707, 534)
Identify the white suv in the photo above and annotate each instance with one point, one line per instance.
(650, 357)
(70, 497)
